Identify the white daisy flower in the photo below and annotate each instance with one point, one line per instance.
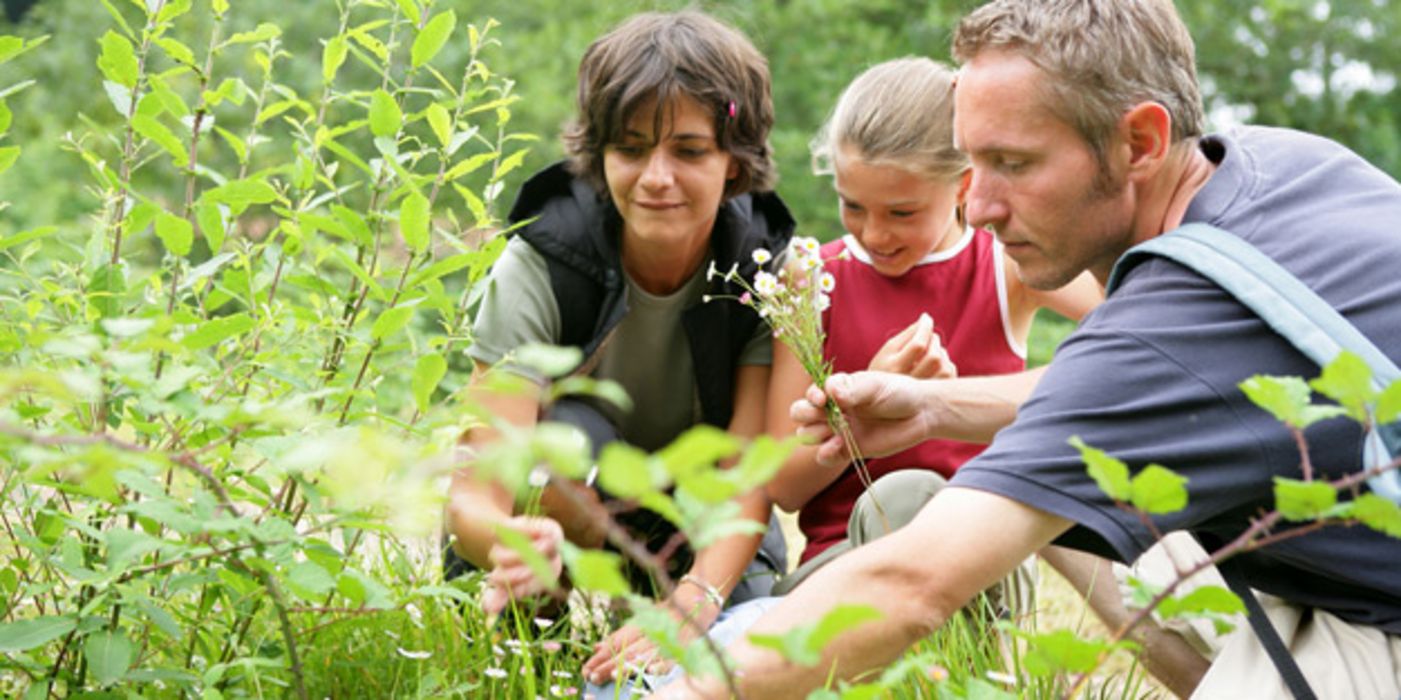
(762, 255)
(827, 282)
(497, 673)
(765, 284)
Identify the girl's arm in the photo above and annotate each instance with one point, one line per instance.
(1072, 301)
(801, 477)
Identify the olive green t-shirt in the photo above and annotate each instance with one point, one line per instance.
(648, 353)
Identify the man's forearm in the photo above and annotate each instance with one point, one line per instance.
(973, 409)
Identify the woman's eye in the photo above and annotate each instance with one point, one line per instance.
(692, 152)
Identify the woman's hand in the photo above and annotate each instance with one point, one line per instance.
(915, 351)
(511, 578)
(629, 650)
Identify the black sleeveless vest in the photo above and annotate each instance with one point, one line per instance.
(576, 230)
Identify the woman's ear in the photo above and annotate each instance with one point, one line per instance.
(732, 171)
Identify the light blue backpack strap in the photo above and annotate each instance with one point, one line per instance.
(1286, 305)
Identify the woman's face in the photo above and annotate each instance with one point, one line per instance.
(898, 216)
(668, 186)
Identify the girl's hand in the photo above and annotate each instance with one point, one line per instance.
(510, 577)
(916, 352)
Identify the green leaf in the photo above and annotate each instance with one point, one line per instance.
(1287, 399)
(443, 267)
(438, 119)
(332, 57)
(175, 233)
(1204, 600)
(548, 360)
(391, 321)
(211, 224)
(841, 619)
(5, 117)
(241, 193)
(23, 237)
(1389, 403)
(595, 570)
(623, 470)
(432, 37)
(1303, 500)
(520, 543)
(1158, 490)
(1380, 514)
(698, 448)
(218, 330)
(468, 165)
(10, 46)
(106, 289)
(109, 655)
(414, 221)
(1111, 474)
(762, 460)
(1347, 380)
(8, 156)
(803, 645)
(1061, 652)
(264, 32)
(410, 10)
(385, 117)
(563, 447)
(240, 148)
(427, 373)
(28, 634)
(118, 60)
(510, 163)
(310, 580)
(153, 129)
(177, 51)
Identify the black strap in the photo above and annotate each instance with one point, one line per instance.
(1266, 633)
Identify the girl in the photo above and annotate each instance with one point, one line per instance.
(917, 292)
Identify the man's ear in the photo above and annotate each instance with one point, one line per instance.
(1147, 131)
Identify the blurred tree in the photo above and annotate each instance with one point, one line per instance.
(15, 9)
(1317, 65)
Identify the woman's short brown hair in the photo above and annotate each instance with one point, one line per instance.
(663, 56)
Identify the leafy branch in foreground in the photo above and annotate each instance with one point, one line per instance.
(1302, 505)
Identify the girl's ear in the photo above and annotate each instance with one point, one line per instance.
(732, 171)
(959, 213)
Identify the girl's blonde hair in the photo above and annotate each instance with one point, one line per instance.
(898, 113)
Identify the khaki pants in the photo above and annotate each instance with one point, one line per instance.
(1340, 659)
(901, 495)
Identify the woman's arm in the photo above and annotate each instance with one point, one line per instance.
(717, 568)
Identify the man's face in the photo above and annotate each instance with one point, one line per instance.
(1036, 182)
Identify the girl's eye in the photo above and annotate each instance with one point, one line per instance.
(850, 206)
(902, 213)
(628, 150)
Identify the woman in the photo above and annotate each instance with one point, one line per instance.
(668, 172)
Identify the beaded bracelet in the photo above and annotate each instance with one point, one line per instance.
(712, 594)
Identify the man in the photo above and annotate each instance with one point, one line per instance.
(1083, 120)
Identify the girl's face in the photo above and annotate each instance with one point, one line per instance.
(898, 216)
(668, 186)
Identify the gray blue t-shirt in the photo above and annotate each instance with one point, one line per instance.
(1152, 375)
(648, 353)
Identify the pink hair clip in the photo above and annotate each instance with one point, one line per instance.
(733, 109)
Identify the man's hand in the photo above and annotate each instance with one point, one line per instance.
(915, 351)
(510, 577)
(887, 413)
